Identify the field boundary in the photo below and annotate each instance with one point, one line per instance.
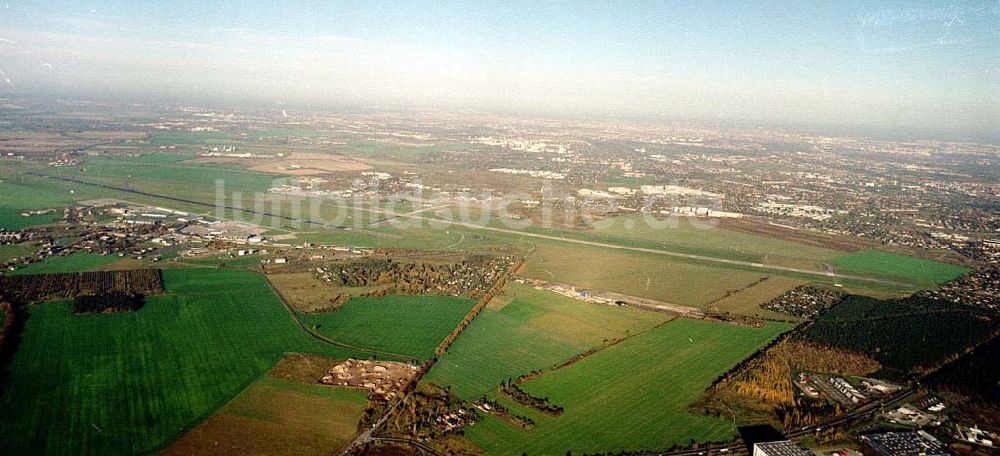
(593, 351)
(477, 309)
(295, 317)
(367, 435)
(730, 293)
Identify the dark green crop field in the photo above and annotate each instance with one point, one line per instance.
(16, 197)
(633, 395)
(407, 325)
(535, 330)
(131, 382)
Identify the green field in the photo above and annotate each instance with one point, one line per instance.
(169, 138)
(11, 251)
(153, 174)
(631, 396)
(683, 235)
(635, 273)
(131, 382)
(16, 197)
(748, 300)
(407, 325)
(76, 262)
(891, 264)
(82, 192)
(278, 417)
(535, 330)
(158, 174)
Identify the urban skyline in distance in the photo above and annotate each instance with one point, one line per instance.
(927, 69)
(485, 228)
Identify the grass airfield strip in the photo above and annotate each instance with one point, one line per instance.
(686, 256)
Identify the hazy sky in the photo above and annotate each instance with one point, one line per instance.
(906, 64)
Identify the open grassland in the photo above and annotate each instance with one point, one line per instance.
(34, 143)
(180, 138)
(633, 395)
(154, 174)
(11, 251)
(748, 300)
(76, 262)
(17, 196)
(891, 264)
(407, 325)
(307, 293)
(304, 291)
(680, 233)
(677, 235)
(222, 260)
(633, 273)
(131, 382)
(533, 330)
(159, 175)
(80, 192)
(278, 417)
(416, 237)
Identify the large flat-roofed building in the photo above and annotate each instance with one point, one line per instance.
(780, 448)
(903, 443)
(764, 440)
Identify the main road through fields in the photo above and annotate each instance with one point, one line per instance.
(414, 215)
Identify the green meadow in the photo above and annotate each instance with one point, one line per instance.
(406, 325)
(891, 264)
(631, 396)
(17, 196)
(76, 262)
(132, 382)
(533, 330)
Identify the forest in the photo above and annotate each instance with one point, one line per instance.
(26, 289)
(107, 303)
(887, 330)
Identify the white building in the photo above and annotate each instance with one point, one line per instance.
(780, 448)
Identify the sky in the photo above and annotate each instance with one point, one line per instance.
(909, 65)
